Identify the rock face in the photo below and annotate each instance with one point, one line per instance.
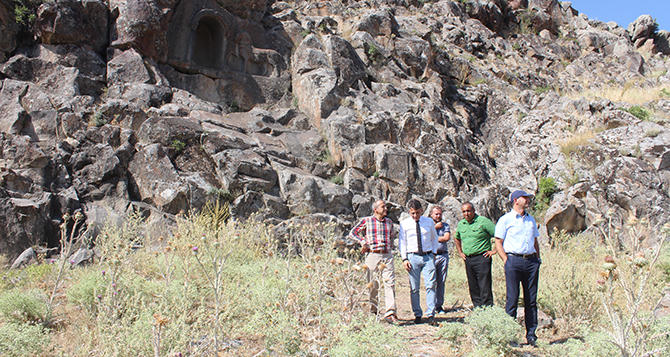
(308, 112)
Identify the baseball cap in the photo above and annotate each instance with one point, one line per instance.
(519, 193)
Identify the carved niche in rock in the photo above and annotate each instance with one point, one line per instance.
(216, 40)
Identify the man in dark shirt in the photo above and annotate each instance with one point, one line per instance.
(376, 236)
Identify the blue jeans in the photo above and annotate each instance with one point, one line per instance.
(441, 267)
(425, 264)
(524, 271)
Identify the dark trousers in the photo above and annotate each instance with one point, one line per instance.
(524, 271)
(478, 270)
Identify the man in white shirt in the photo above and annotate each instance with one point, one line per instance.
(516, 243)
(418, 245)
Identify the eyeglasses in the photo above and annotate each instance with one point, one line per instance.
(466, 211)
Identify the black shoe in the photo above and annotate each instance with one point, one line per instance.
(439, 310)
(432, 322)
(417, 320)
(532, 340)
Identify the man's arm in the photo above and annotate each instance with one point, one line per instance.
(402, 246)
(356, 233)
(434, 238)
(459, 247)
(501, 251)
(537, 247)
(447, 234)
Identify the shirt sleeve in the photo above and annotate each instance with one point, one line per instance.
(355, 232)
(446, 227)
(489, 227)
(457, 233)
(536, 233)
(402, 242)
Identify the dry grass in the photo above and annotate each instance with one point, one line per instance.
(629, 93)
(572, 143)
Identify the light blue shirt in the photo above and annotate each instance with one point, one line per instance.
(443, 247)
(517, 232)
(407, 242)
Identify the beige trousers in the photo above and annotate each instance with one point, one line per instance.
(373, 261)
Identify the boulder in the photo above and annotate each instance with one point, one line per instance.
(662, 41)
(378, 23)
(142, 94)
(315, 83)
(642, 29)
(244, 170)
(9, 29)
(395, 163)
(305, 193)
(345, 61)
(156, 181)
(73, 22)
(168, 130)
(23, 222)
(128, 67)
(343, 134)
(13, 117)
(142, 25)
(123, 113)
(566, 213)
(262, 204)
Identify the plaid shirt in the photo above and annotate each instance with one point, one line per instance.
(377, 234)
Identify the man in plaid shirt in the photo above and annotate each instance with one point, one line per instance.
(376, 236)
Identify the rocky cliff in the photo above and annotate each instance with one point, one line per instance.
(315, 109)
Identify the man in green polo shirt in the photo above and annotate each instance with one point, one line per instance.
(473, 243)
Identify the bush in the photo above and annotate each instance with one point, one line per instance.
(337, 179)
(367, 337)
(638, 112)
(493, 329)
(23, 340)
(88, 291)
(24, 306)
(545, 190)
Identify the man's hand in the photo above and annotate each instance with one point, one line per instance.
(463, 255)
(407, 265)
(439, 225)
(365, 248)
(489, 253)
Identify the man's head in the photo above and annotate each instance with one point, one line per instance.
(468, 210)
(436, 214)
(415, 209)
(379, 209)
(521, 199)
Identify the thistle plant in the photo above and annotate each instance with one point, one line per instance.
(625, 286)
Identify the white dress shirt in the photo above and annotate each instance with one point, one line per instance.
(517, 232)
(407, 239)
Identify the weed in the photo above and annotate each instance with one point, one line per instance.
(516, 46)
(97, 119)
(376, 174)
(546, 189)
(295, 102)
(522, 115)
(337, 179)
(372, 51)
(23, 339)
(638, 112)
(305, 32)
(542, 89)
(492, 329)
(365, 336)
(574, 142)
(178, 145)
(24, 306)
(224, 194)
(234, 107)
(478, 81)
(664, 92)
(633, 327)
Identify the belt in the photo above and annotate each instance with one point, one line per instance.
(524, 256)
(442, 252)
(422, 254)
(475, 255)
(379, 251)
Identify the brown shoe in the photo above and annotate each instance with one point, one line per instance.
(392, 319)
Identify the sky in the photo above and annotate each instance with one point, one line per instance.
(623, 12)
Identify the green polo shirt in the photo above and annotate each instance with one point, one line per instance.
(475, 237)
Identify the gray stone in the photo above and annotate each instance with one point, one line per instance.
(566, 213)
(73, 22)
(127, 67)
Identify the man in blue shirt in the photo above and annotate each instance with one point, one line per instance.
(442, 256)
(516, 242)
(418, 244)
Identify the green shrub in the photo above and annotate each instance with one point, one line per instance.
(97, 119)
(337, 179)
(546, 187)
(492, 329)
(367, 337)
(451, 332)
(23, 340)
(178, 145)
(24, 306)
(88, 291)
(638, 112)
